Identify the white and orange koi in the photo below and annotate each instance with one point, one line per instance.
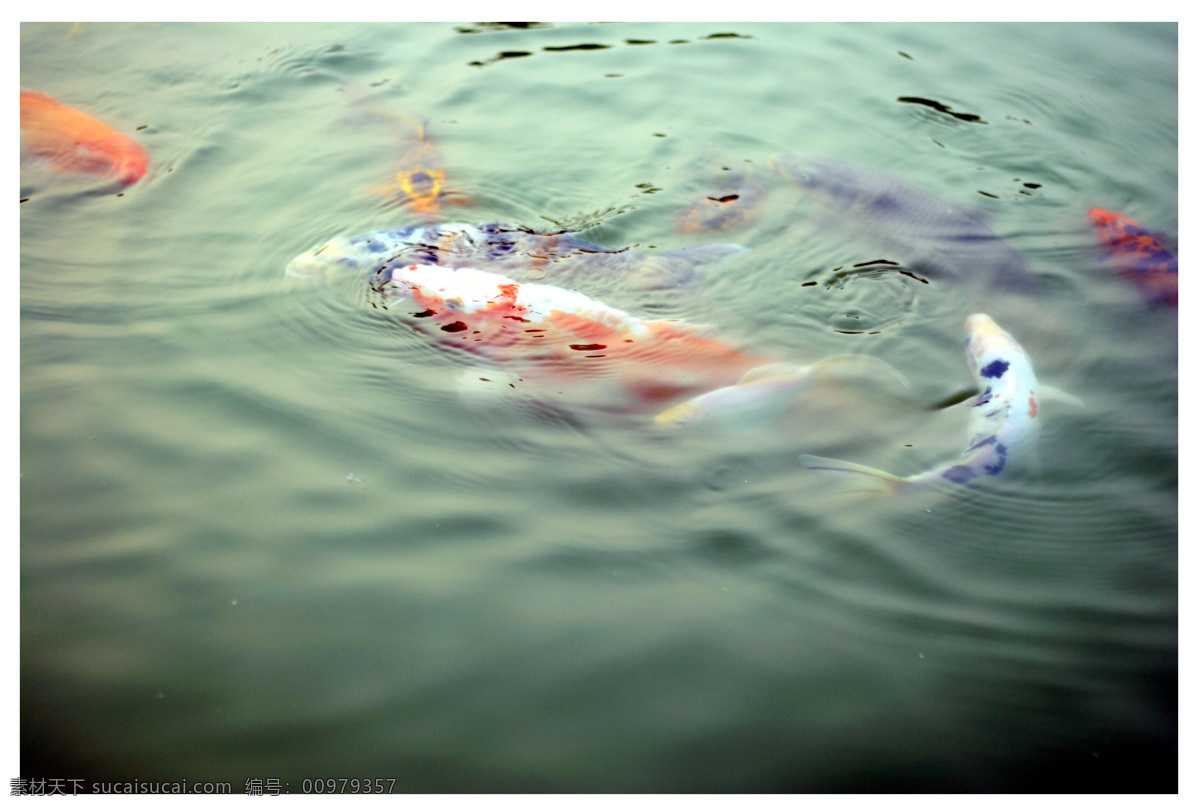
(551, 335)
(1003, 426)
(552, 338)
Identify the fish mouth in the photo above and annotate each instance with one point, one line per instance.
(980, 324)
(800, 169)
(327, 261)
(308, 265)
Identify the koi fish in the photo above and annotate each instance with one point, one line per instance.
(508, 249)
(73, 141)
(1140, 256)
(552, 337)
(1003, 425)
(420, 181)
(764, 392)
(933, 237)
(735, 205)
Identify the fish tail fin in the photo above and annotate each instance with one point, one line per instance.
(863, 481)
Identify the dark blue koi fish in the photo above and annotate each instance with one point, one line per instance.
(931, 236)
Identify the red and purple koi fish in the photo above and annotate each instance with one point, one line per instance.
(1140, 256)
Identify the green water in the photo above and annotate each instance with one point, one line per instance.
(263, 538)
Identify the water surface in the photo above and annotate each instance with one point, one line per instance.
(263, 538)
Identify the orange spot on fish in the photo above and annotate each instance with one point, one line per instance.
(1033, 411)
(74, 141)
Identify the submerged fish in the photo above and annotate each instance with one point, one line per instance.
(74, 141)
(509, 249)
(932, 236)
(559, 342)
(554, 338)
(1140, 256)
(765, 392)
(420, 181)
(735, 205)
(1003, 422)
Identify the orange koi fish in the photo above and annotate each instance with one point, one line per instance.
(1140, 256)
(735, 205)
(420, 182)
(73, 141)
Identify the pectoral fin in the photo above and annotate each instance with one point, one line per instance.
(1051, 394)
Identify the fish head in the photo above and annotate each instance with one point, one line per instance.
(132, 164)
(990, 350)
(352, 255)
(833, 178)
(1110, 227)
(1101, 218)
(420, 182)
(421, 190)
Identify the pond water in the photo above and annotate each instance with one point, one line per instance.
(264, 538)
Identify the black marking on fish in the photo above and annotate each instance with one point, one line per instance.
(994, 369)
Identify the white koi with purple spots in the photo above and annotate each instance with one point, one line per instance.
(1003, 423)
(511, 250)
